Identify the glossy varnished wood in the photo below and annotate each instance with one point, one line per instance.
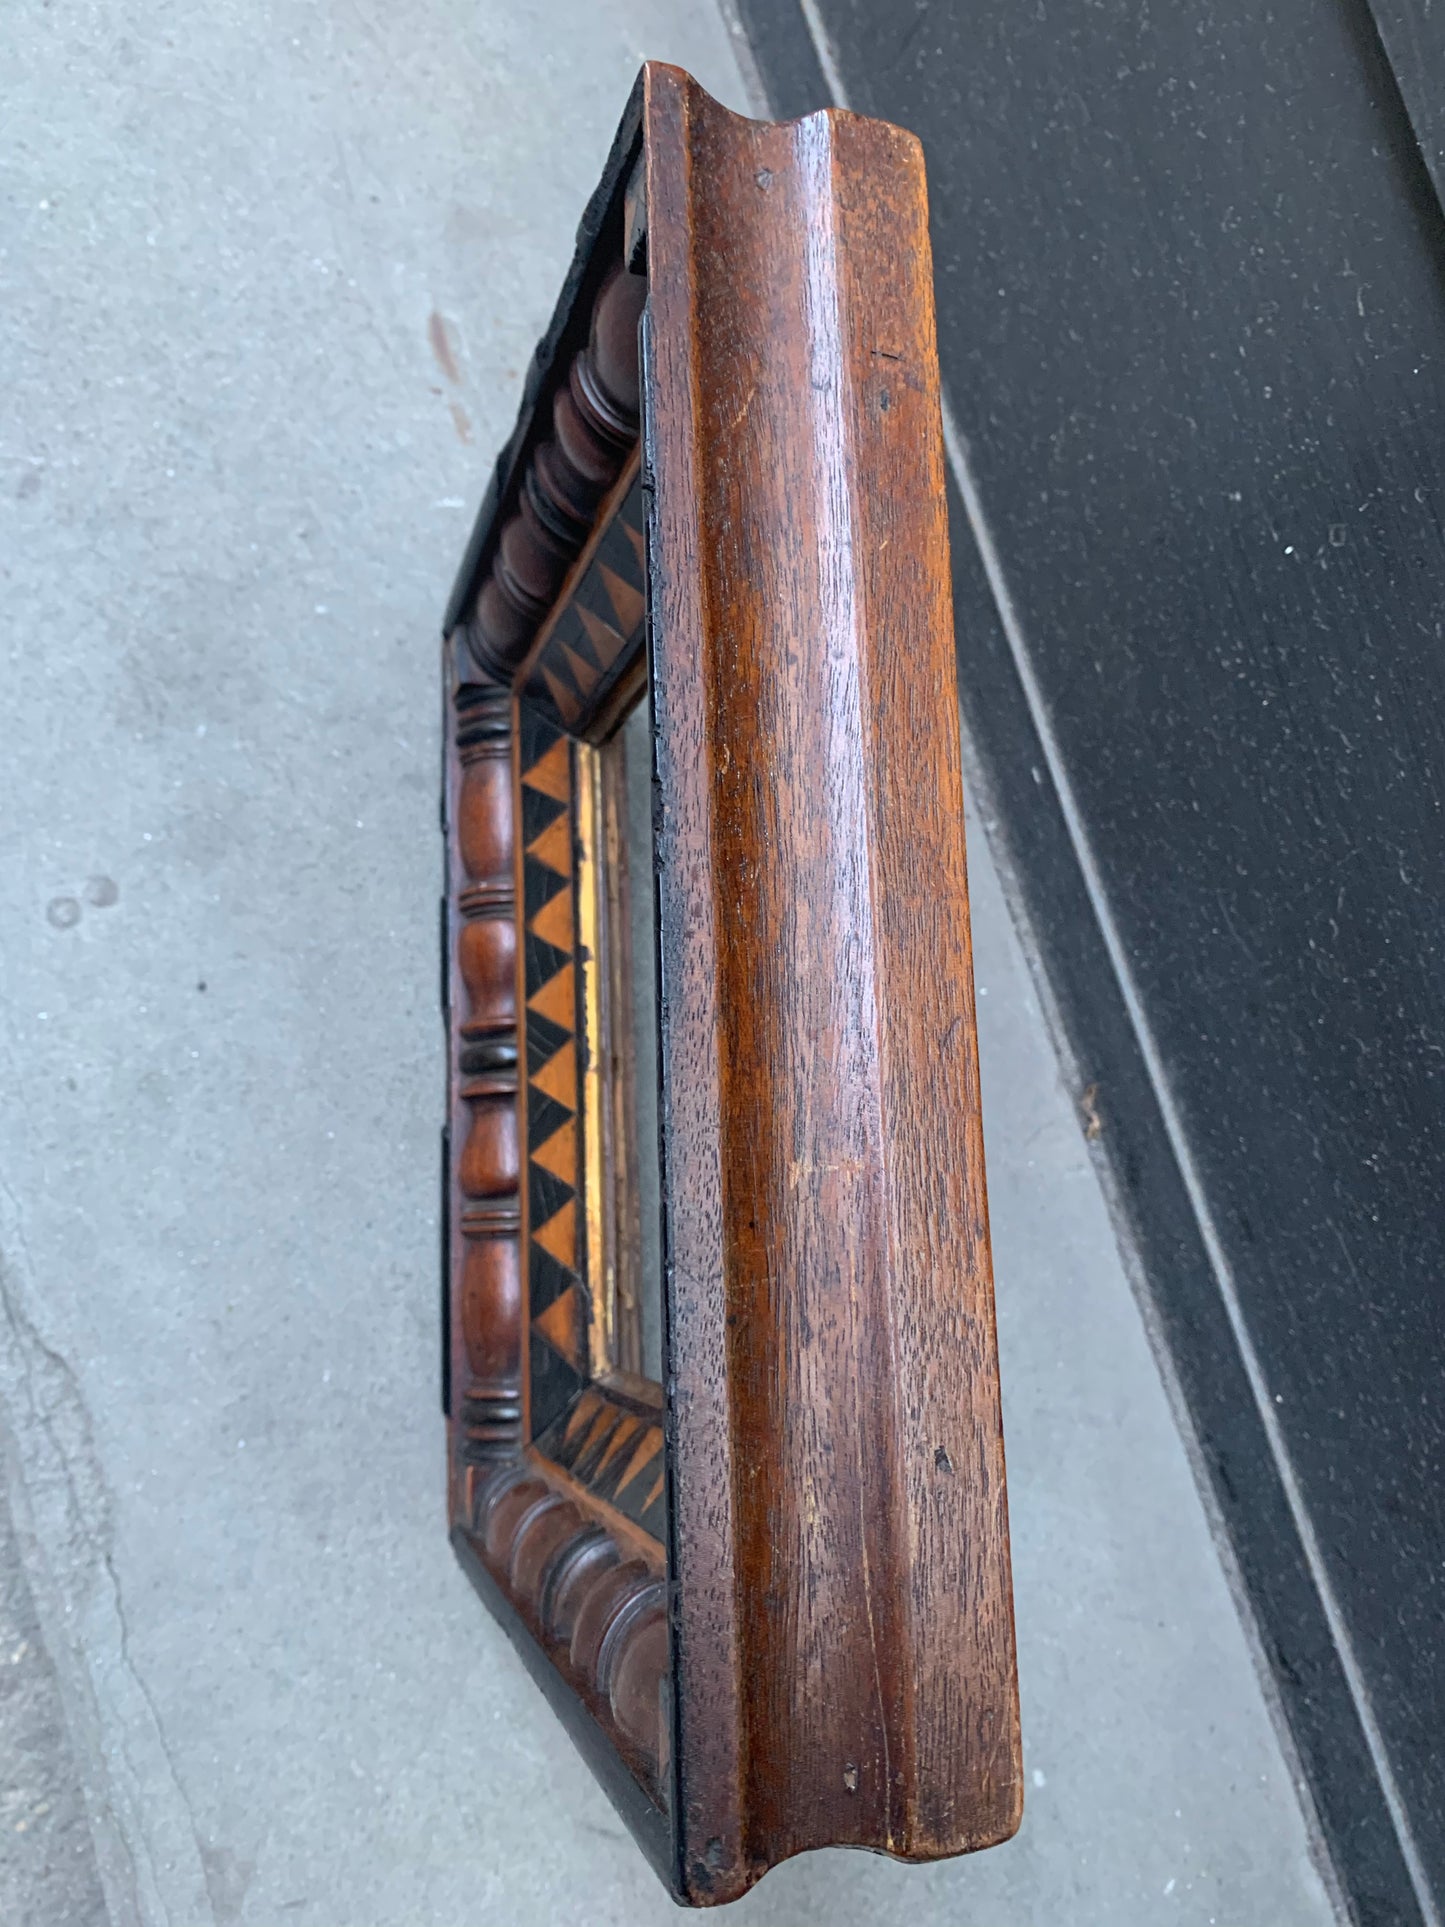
(845, 1654)
(770, 1598)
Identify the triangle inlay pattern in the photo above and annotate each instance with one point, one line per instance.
(608, 1441)
(597, 635)
(557, 1300)
(615, 1450)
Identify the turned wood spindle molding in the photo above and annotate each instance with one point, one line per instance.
(485, 1316)
(594, 425)
(597, 1607)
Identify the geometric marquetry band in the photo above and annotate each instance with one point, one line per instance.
(556, 1289)
(614, 1449)
(594, 638)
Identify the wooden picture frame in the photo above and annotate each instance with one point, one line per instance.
(769, 1594)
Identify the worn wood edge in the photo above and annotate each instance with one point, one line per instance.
(644, 1819)
(966, 1674)
(566, 334)
(723, 1845)
(590, 1589)
(711, 1861)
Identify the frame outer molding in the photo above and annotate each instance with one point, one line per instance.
(842, 1615)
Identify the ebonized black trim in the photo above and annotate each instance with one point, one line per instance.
(644, 1820)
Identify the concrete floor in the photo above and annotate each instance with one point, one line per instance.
(235, 477)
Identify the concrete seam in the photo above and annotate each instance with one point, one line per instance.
(115, 1806)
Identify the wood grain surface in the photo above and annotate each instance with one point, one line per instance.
(844, 1630)
(1199, 403)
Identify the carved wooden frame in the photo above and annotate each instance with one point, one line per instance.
(771, 1602)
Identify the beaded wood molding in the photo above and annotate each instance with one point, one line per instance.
(770, 1595)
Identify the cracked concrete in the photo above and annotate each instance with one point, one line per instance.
(62, 1516)
(48, 1871)
(270, 281)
